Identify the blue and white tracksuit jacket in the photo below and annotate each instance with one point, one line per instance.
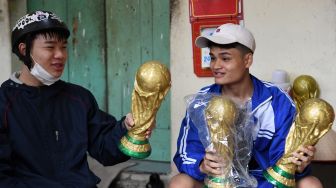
(273, 112)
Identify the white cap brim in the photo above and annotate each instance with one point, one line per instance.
(203, 41)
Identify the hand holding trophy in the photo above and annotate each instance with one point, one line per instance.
(222, 129)
(313, 120)
(152, 83)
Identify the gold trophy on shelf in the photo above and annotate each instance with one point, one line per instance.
(314, 119)
(221, 115)
(152, 83)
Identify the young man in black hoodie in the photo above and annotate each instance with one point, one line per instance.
(47, 126)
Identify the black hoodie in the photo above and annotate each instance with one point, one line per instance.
(46, 132)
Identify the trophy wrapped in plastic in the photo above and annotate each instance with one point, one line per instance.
(314, 120)
(152, 83)
(304, 87)
(223, 128)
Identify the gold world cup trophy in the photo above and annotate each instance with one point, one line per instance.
(151, 85)
(221, 115)
(314, 119)
(304, 87)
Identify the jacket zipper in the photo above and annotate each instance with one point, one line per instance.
(56, 134)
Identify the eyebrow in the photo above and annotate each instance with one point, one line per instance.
(221, 53)
(54, 41)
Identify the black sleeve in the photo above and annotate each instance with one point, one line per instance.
(105, 133)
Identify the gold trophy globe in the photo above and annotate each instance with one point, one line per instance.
(152, 83)
(304, 87)
(314, 119)
(221, 115)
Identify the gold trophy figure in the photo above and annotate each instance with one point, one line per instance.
(221, 115)
(304, 88)
(314, 120)
(151, 85)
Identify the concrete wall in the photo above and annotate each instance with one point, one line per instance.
(296, 36)
(10, 11)
(16, 8)
(5, 52)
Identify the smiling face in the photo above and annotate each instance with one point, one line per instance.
(50, 52)
(229, 65)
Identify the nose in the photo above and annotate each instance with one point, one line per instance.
(60, 53)
(216, 63)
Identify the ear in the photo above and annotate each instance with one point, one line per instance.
(22, 48)
(248, 60)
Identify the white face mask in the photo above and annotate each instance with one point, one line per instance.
(41, 74)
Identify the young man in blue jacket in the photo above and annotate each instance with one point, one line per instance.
(231, 51)
(47, 126)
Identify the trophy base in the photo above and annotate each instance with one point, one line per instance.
(279, 177)
(217, 182)
(135, 148)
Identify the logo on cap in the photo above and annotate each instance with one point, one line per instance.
(35, 17)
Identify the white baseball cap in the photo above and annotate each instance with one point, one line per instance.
(227, 34)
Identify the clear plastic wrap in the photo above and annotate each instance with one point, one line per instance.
(224, 127)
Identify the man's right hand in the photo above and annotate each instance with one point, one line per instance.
(212, 164)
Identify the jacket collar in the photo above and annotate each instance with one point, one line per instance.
(260, 96)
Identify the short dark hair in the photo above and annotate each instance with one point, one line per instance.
(243, 49)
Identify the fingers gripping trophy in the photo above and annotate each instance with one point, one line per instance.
(314, 119)
(221, 114)
(152, 83)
